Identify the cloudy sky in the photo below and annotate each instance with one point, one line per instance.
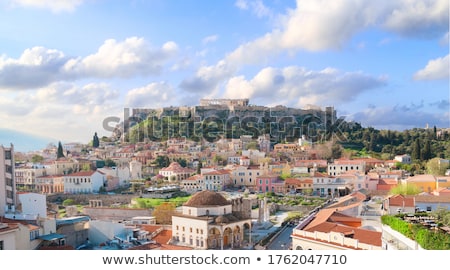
(67, 65)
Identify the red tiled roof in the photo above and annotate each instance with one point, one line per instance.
(83, 173)
(362, 235)
(400, 200)
(296, 181)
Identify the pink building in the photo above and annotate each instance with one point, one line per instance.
(269, 183)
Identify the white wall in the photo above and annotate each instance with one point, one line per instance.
(33, 204)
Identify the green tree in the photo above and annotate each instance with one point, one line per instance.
(110, 163)
(426, 153)
(162, 161)
(86, 167)
(253, 145)
(182, 162)
(415, 155)
(336, 151)
(60, 152)
(435, 167)
(404, 189)
(164, 212)
(37, 158)
(68, 202)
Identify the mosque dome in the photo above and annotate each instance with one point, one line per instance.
(207, 198)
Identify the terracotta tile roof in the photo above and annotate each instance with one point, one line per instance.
(194, 178)
(347, 161)
(362, 235)
(321, 217)
(163, 237)
(83, 173)
(296, 181)
(10, 227)
(402, 201)
(217, 172)
(422, 178)
(150, 228)
(433, 199)
(388, 181)
(319, 174)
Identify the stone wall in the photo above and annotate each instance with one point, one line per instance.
(83, 199)
(115, 214)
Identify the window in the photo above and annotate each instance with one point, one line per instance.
(34, 234)
(8, 154)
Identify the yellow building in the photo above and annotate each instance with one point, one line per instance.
(425, 182)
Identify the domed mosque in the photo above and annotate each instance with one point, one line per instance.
(207, 221)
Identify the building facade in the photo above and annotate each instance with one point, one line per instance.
(7, 181)
(207, 221)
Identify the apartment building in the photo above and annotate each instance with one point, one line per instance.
(7, 183)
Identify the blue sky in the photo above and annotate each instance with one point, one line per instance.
(66, 65)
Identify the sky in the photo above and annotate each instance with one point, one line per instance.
(67, 65)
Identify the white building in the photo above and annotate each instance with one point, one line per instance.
(193, 184)
(135, 170)
(208, 222)
(332, 230)
(340, 166)
(123, 173)
(405, 159)
(33, 204)
(84, 182)
(175, 172)
(216, 180)
(26, 176)
(7, 181)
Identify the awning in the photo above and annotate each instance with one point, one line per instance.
(52, 236)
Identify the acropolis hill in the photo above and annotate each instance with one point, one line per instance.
(229, 114)
(227, 108)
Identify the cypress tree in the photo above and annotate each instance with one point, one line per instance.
(415, 155)
(95, 141)
(60, 152)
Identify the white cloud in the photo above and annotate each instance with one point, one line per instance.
(241, 4)
(61, 110)
(445, 40)
(256, 6)
(53, 5)
(122, 59)
(36, 67)
(317, 25)
(39, 66)
(208, 78)
(210, 39)
(418, 18)
(436, 69)
(300, 87)
(153, 95)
